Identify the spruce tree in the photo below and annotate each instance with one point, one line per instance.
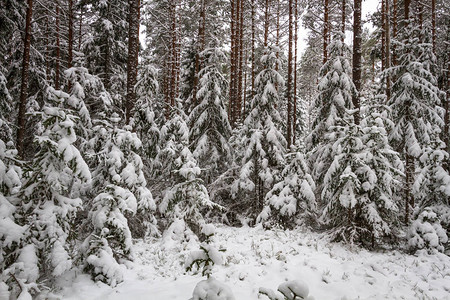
(208, 122)
(262, 138)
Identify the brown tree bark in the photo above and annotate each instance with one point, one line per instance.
(70, 40)
(133, 56)
(240, 60)
(433, 23)
(80, 25)
(394, 30)
(356, 72)
(231, 104)
(58, 51)
(343, 8)
(325, 31)
(253, 46)
(388, 48)
(383, 36)
(200, 48)
(266, 23)
(447, 117)
(289, 78)
(47, 49)
(21, 118)
(295, 68)
(407, 4)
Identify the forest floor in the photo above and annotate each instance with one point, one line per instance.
(257, 258)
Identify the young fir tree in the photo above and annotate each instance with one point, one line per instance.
(48, 202)
(184, 196)
(11, 233)
(5, 108)
(414, 104)
(291, 200)
(331, 106)
(121, 193)
(262, 140)
(209, 126)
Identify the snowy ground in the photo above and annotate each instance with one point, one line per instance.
(256, 258)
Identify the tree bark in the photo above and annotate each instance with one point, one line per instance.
(357, 57)
(266, 23)
(383, 36)
(133, 56)
(289, 78)
(253, 47)
(21, 119)
(433, 23)
(240, 61)
(394, 30)
(70, 40)
(58, 51)
(325, 31)
(200, 47)
(231, 104)
(295, 68)
(388, 49)
(407, 4)
(343, 19)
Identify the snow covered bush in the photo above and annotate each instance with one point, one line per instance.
(204, 260)
(48, 201)
(292, 199)
(289, 290)
(426, 232)
(122, 196)
(262, 141)
(208, 121)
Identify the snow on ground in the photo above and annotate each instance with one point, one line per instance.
(257, 258)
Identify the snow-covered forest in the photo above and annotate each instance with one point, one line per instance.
(224, 149)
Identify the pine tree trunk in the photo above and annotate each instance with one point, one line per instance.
(388, 49)
(231, 104)
(133, 56)
(47, 50)
(58, 50)
(289, 79)
(433, 23)
(325, 31)
(240, 60)
(80, 25)
(447, 117)
(295, 68)
(70, 40)
(383, 36)
(357, 57)
(407, 4)
(253, 47)
(200, 47)
(21, 118)
(343, 19)
(394, 30)
(266, 23)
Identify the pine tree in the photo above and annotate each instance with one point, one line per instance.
(262, 139)
(209, 127)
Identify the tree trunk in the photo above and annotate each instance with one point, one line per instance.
(58, 50)
(133, 56)
(447, 117)
(407, 4)
(383, 36)
(241, 57)
(266, 24)
(200, 47)
(70, 41)
(357, 56)
(394, 30)
(343, 19)
(433, 23)
(231, 104)
(253, 47)
(21, 118)
(388, 49)
(295, 68)
(325, 31)
(289, 78)
(80, 25)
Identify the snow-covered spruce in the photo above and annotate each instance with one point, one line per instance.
(184, 196)
(426, 232)
(11, 233)
(262, 140)
(5, 108)
(292, 199)
(357, 188)
(122, 195)
(208, 122)
(47, 198)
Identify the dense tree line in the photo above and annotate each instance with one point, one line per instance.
(215, 118)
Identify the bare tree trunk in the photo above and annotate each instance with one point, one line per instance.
(447, 117)
(80, 25)
(394, 30)
(433, 23)
(70, 41)
(21, 118)
(231, 103)
(357, 57)
(289, 79)
(241, 57)
(253, 46)
(388, 49)
(133, 56)
(58, 50)
(200, 47)
(295, 68)
(407, 4)
(266, 24)
(383, 36)
(343, 19)
(325, 31)
(47, 50)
